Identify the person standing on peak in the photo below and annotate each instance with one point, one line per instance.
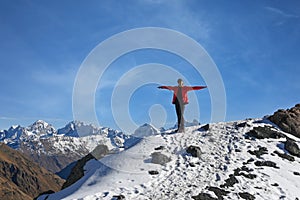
(180, 99)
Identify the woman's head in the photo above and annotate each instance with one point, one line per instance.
(180, 82)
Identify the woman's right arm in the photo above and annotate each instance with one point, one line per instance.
(166, 87)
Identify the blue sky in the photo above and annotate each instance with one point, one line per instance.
(255, 45)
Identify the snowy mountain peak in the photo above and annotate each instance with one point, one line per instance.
(14, 132)
(39, 121)
(79, 129)
(40, 128)
(14, 127)
(145, 130)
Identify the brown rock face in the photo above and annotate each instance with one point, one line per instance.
(77, 171)
(288, 120)
(21, 178)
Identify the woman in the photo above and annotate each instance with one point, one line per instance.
(180, 99)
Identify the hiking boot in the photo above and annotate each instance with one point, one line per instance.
(180, 130)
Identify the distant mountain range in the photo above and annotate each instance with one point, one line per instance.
(55, 149)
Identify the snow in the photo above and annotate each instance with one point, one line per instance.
(224, 148)
(80, 129)
(145, 130)
(14, 126)
(67, 144)
(76, 137)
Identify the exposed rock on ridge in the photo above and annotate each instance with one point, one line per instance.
(288, 120)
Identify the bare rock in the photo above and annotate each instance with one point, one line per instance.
(205, 127)
(292, 148)
(263, 132)
(242, 125)
(77, 171)
(230, 181)
(218, 192)
(288, 120)
(285, 156)
(159, 158)
(118, 197)
(266, 163)
(194, 151)
(242, 172)
(203, 196)
(258, 153)
(153, 172)
(159, 148)
(246, 195)
(296, 173)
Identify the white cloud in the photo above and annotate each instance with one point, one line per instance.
(280, 16)
(281, 13)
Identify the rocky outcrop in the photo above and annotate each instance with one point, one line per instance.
(285, 156)
(21, 178)
(218, 192)
(246, 195)
(78, 170)
(194, 151)
(263, 132)
(242, 125)
(118, 197)
(244, 171)
(292, 148)
(203, 196)
(159, 148)
(288, 120)
(266, 163)
(230, 181)
(205, 127)
(258, 153)
(153, 172)
(159, 158)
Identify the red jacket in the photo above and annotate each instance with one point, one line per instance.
(184, 91)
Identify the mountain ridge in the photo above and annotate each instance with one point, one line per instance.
(243, 159)
(21, 178)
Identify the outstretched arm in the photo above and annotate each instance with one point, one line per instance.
(166, 87)
(196, 87)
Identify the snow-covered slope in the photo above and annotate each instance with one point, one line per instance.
(230, 165)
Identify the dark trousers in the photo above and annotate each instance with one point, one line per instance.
(180, 111)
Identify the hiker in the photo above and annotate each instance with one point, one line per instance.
(180, 99)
